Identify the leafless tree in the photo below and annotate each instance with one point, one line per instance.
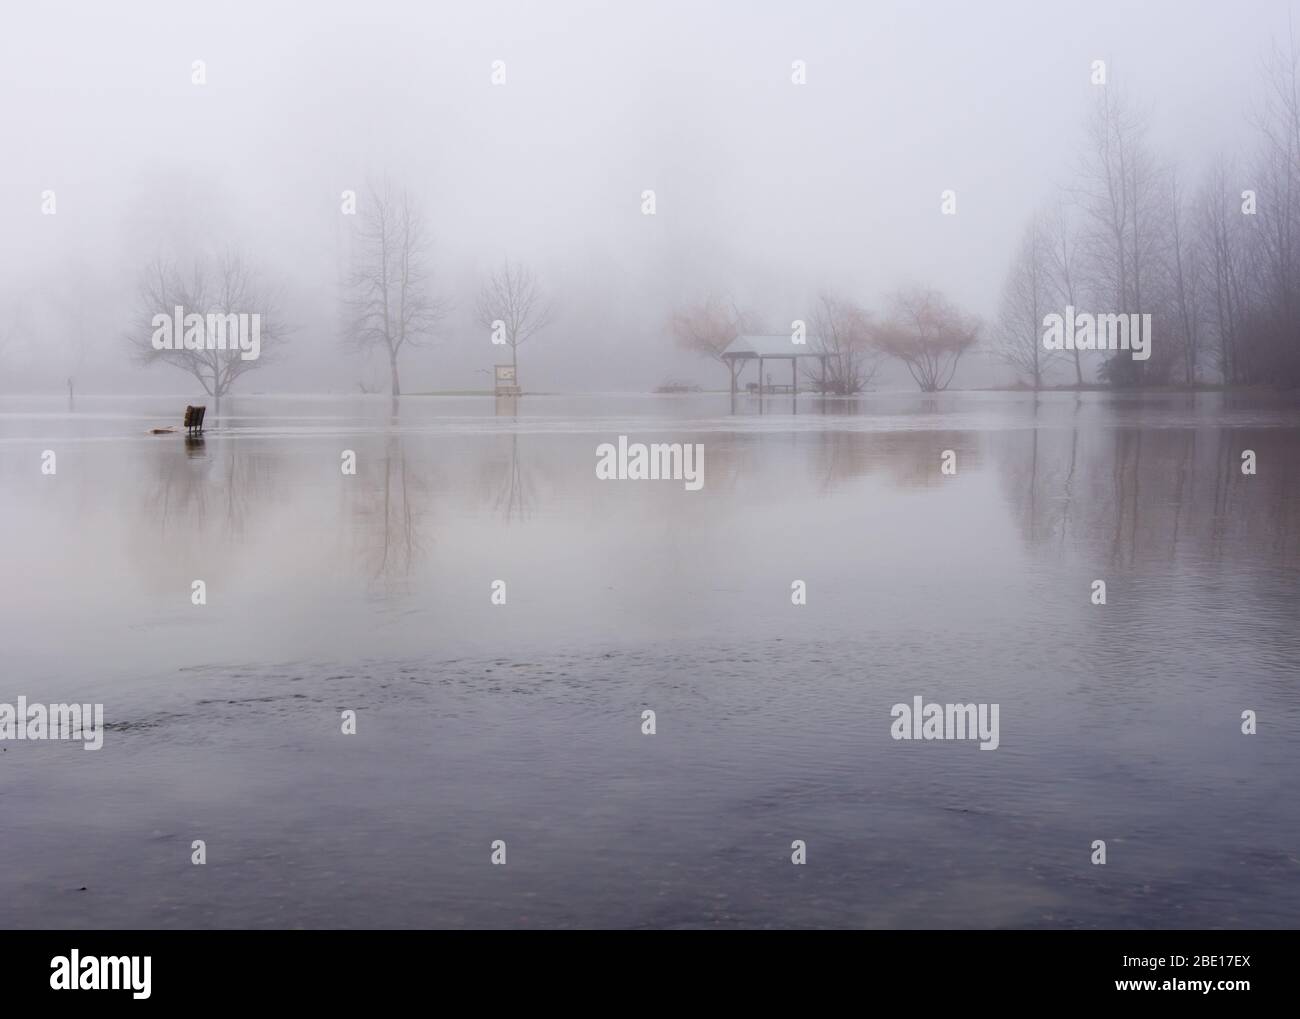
(224, 284)
(390, 300)
(1064, 272)
(1186, 272)
(708, 327)
(1223, 243)
(1026, 299)
(1122, 196)
(513, 301)
(1271, 351)
(928, 334)
(842, 330)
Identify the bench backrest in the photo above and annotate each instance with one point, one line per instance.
(194, 416)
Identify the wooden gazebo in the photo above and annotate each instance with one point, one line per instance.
(771, 348)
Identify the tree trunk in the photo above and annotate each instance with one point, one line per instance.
(392, 363)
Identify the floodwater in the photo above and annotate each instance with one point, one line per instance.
(522, 722)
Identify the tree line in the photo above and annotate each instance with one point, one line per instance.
(389, 299)
(1216, 265)
(923, 330)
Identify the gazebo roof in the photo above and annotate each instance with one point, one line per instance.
(780, 345)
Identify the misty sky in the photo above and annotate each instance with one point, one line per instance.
(765, 190)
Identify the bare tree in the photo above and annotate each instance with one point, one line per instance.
(390, 299)
(1063, 274)
(842, 330)
(222, 285)
(1026, 299)
(708, 327)
(1271, 352)
(513, 302)
(928, 334)
(1107, 198)
(1223, 244)
(1186, 271)
(1122, 197)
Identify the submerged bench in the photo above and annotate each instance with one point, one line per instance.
(194, 419)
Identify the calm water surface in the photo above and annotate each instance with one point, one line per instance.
(522, 722)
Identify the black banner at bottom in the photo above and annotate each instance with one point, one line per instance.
(143, 969)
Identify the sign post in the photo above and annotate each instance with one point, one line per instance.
(506, 383)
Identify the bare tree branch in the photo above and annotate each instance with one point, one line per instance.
(512, 299)
(389, 295)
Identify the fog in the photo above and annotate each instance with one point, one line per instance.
(765, 191)
(707, 647)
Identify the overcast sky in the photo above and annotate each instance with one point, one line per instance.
(765, 190)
